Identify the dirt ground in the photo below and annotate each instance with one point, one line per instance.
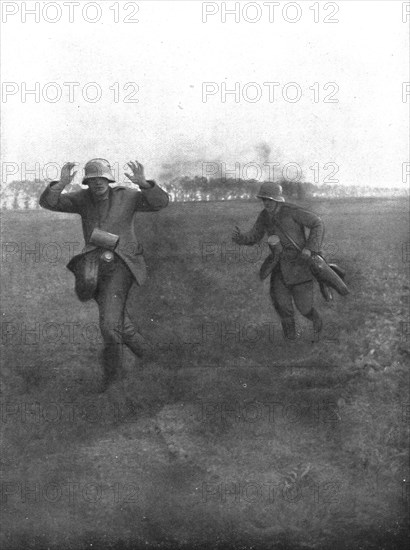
(223, 436)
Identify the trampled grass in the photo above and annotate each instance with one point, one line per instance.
(223, 435)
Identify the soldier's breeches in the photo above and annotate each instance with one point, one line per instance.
(283, 297)
(114, 283)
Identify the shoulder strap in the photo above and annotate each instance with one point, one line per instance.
(288, 236)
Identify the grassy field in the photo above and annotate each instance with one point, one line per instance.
(224, 435)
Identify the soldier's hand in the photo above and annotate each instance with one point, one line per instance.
(137, 175)
(237, 235)
(306, 253)
(66, 176)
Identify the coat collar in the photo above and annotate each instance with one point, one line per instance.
(95, 200)
(276, 214)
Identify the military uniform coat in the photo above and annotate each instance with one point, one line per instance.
(115, 215)
(293, 219)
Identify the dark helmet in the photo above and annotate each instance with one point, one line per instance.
(97, 168)
(272, 191)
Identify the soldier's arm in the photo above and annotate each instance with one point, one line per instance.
(151, 199)
(315, 224)
(53, 199)
(255, 235)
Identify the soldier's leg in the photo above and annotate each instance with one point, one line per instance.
(132, 338)
(282, 300)
(303, 296)
(113, 286)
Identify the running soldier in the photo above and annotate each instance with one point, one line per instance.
(291, 276)
(112, 259)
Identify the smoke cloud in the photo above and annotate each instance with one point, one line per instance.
(188, 160)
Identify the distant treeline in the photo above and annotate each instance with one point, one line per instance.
(201, 188)
(21, 195)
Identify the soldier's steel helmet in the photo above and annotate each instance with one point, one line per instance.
(97, 168)
(272, 191)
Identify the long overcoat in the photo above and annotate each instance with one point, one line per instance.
(117, 216)
(293, 220)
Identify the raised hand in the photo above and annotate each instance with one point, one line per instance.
(137, 175)
(66, 176)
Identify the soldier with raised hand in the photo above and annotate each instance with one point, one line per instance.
(291, 276)
(112, 259)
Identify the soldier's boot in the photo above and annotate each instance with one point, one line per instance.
(289, 329)
(133, 339)
(314, 316)
(136, 343)
(112, 365)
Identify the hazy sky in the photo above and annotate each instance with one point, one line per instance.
(170, 53)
